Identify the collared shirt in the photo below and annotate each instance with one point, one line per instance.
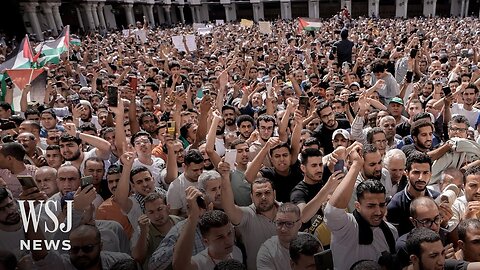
(458, 208)
(163, 256)
(398, 210)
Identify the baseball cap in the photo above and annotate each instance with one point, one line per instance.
(342, 132)
(396, 100)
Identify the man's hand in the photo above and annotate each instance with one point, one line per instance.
(83, 198)
(355, 155)
(144, 223)
(127, 159)
(192, 194)
(449, 251)
(334, 180)
(272, 142)
(446, 213)
(70, 128)
(224, 169)
(473, 209)
(39, 161)
(77, 111)
(379, 84)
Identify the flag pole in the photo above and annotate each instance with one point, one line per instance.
(31, 75)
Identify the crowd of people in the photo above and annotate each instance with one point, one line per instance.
(351, 146)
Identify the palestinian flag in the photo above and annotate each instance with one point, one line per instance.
(50, 51)
(20, 57)
(75, 42)
(309, 24)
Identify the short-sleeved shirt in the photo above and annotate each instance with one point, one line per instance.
(241, 188)
(345, 245)
(205, 262)
(398, 209)
(273, 256)
(176, 193)
(155, 169)
(284, 184)
(255, 229)
(110, 210)
(324, 135)
(472, 115)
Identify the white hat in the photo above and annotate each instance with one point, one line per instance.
(449, 195)
(342, 132)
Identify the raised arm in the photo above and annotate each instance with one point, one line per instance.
(184, 245)
(343, 193)
(257, 163)
(123, 188)
(172, 168)
(102, 146)
(296, 136)
(234, 212)
(211, 136)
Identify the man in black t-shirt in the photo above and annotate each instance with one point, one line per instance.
(311, 193)
(329, 124)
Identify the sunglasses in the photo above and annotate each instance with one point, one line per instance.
(84, 249)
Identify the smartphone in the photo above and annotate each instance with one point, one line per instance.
(201, 202)
(180, 89)
(9, 81)
(58, 84)
(26, 181)
(268, 85)
(334, 49)
(446, 90)
(339, 166)
(112, 96)
(287, 68)
(205, 91)
(236, 78)
(171, 128)
(413, 53)
(85, 181)
(134, 83)
(324, 260)
(231, 157)
(74, 99)
(464, 53)
(8, 125)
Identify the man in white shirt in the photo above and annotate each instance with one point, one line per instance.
(274, 253)
(467, 206)
(143, 144)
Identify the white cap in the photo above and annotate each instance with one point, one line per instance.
(342, 132)
(449, 195)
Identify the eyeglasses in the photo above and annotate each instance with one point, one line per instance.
(140, 142)
(458, 129)
(287, 224)
(84, 249)
(428, 222)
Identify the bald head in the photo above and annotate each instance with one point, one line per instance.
(423, 202)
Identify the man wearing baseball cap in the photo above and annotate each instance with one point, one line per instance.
(395, 108)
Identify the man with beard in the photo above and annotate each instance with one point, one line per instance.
(210, 183)
(469, 94)
(11, 165)
(388, 124)
(85, 253)
(266, 128)
(373, 169)
(362, 235)
(229, 115)
(245, 126)
(468, 205)
(207, 163)
(71, 145)
(142, 183)
(148, 122)
(143, 145)
(285, 171)
(311, 193)
(329, 124)
(273, 254)
(154, 226)
(83, 113)
(193, 168)
(419, 172)
(254, 222)
(109, 209)
(422, 135)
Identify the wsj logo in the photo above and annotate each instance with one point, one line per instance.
(33, 218)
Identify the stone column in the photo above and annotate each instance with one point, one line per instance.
(89, 16)
(198, 10)
(167, 14)
(129, 14)
(205, 15)
(401, 7)
(95, 15)
(462, 9)
(286, 9)
(56, 16)
(373, 8)
(47, 9)
(148, 12)
(79, 17)
(467, 5)
(182, 15)
(101, 16)
(256, 12)
(429, 7)
(313, 9)
(160, 15)
(194, 16)
(31, 10)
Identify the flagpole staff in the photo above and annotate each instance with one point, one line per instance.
(31, 75)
